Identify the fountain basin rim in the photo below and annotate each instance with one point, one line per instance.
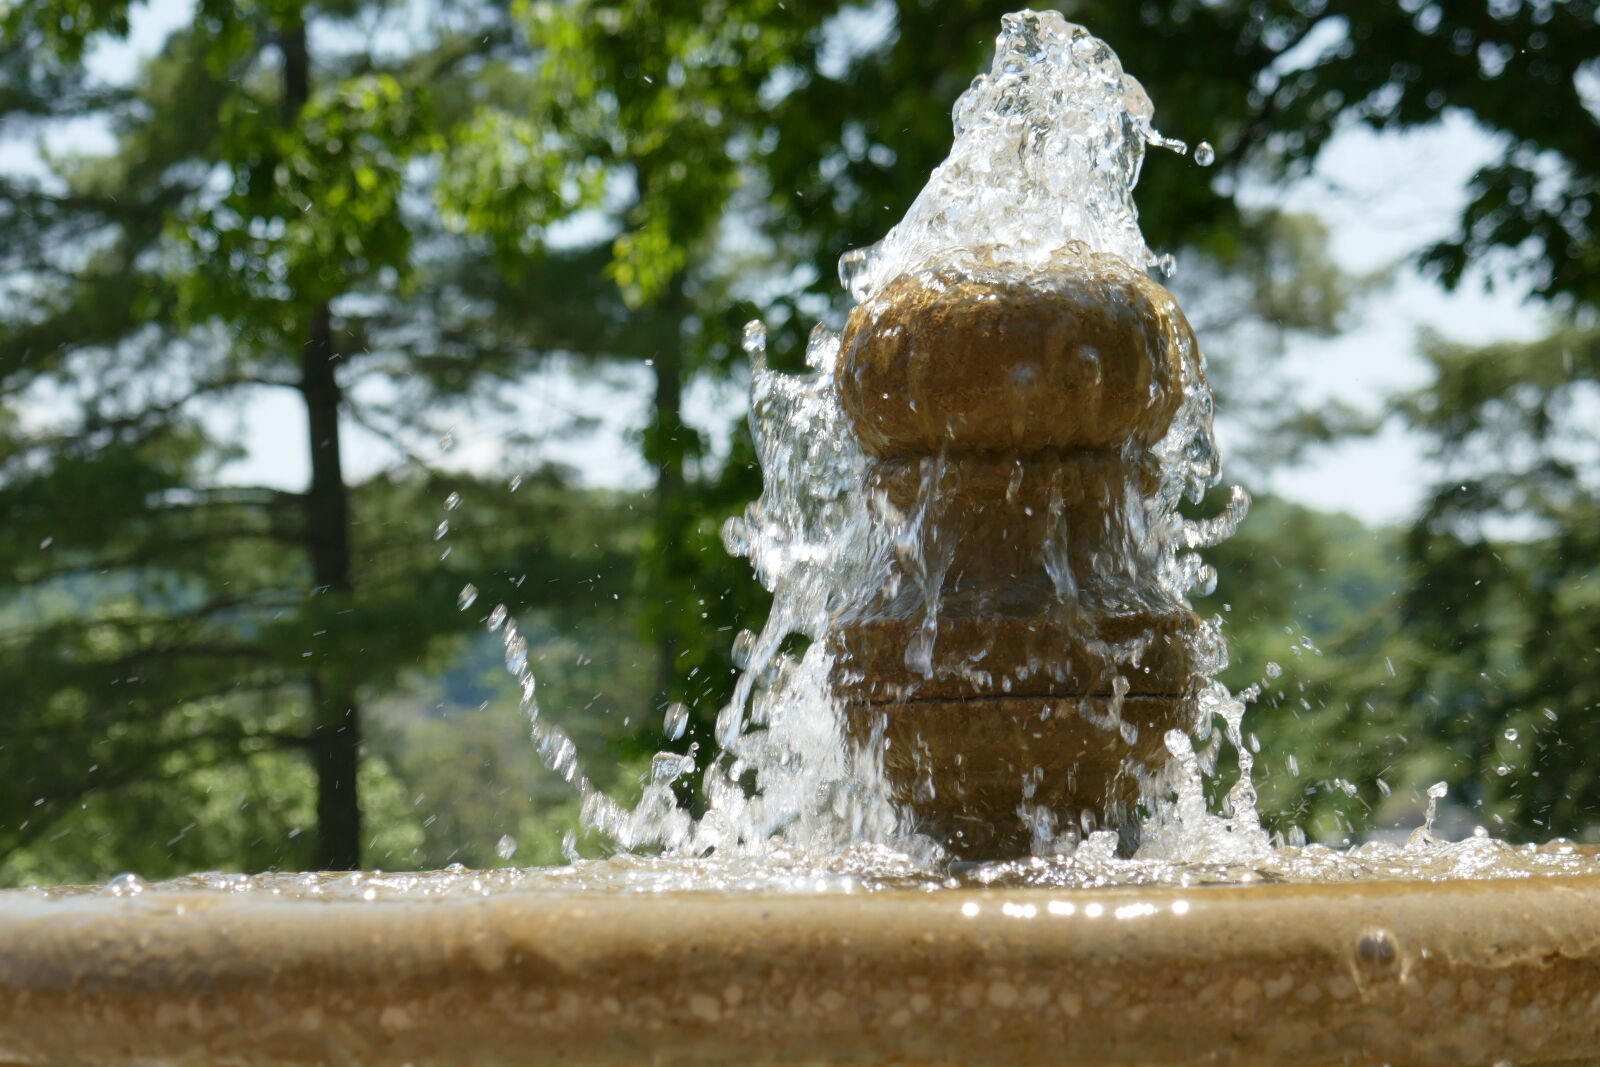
(1426, 972)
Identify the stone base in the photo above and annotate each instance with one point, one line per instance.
(966, 769)
(1453, 974)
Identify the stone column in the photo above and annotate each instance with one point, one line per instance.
(1029, 648)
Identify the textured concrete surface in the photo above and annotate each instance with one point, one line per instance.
(1449, 974)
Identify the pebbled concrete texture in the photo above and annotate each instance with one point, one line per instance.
(1455, 973)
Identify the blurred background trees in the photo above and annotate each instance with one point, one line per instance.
(395, 216)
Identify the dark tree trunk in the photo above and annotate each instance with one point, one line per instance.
(336, 730)
(336, 721)
(669, 452)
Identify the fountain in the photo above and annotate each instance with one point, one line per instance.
(977, 832)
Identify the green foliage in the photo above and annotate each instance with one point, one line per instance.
(1493, 645)
(255, 227)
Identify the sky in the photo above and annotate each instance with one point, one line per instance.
(1383, 196)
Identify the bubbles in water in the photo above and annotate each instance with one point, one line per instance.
(1204, 154)
(467, 597)
(506, 847)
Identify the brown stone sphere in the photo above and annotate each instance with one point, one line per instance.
(1085, 353)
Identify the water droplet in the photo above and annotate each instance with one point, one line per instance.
(440, 530)
(497, 618)
(1502, 770)
(506, 847)
(447, 441)
(467, 597)
(515, 483)
(755, 340)
(1376, 948)
(676, 720)
(1273, 670)
(1511, 733)
(743, 646)
(1204, 154)
(452, 501)
(516, 651)
(665, 768)
(1167, 265)
(125, 885)
(1438, 790)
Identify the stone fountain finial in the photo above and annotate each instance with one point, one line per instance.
(1031, 404)
(1027, 655)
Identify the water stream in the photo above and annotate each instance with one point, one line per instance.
(1039, 181)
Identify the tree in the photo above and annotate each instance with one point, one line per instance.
(1481, 675)
(1488, 662)
(257, 227)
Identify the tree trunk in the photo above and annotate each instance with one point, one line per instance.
(669, 451)
(336, 721)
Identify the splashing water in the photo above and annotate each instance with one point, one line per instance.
(1048, 146)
